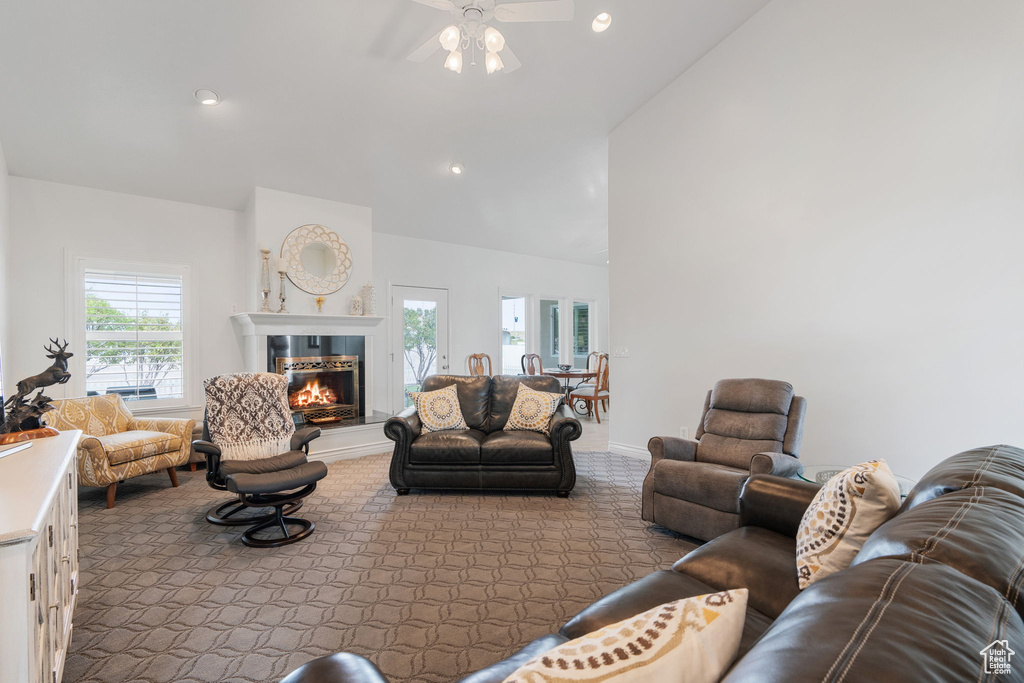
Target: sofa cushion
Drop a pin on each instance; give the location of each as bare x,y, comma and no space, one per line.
732,451
125,447
504,390
474,396
692,639
846,510
498,672
759,560
650,591
884,620
704,483
532,410
960,529
516,448
1000,467
439,410
448,447
748,426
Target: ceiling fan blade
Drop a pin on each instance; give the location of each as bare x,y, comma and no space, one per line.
427,49
509,60
544,10
437,4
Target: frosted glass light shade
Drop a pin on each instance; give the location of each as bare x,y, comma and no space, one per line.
493,62
454,61
450,38
493,39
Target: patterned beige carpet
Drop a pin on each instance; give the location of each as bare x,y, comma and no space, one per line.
430,586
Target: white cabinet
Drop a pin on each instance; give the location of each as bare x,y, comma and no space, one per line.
38,558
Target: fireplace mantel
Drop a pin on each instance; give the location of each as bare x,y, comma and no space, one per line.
257,324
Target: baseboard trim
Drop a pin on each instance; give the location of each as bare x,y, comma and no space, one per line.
631,451
352,452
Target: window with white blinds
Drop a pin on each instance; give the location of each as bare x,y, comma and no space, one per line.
134,335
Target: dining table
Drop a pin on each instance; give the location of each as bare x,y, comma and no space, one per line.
568,375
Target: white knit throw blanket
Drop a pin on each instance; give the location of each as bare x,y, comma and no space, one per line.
248,415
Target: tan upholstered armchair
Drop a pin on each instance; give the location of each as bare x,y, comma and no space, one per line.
749,426
116,446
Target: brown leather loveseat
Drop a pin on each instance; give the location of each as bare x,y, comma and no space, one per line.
928,594
484,456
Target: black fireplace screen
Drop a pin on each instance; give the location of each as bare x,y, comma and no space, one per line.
322,388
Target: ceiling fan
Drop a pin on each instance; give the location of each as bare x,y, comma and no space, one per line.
471,32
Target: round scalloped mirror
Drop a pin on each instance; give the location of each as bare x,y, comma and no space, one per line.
318,259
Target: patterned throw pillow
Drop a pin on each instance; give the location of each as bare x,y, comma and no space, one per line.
687,641
847,509
532,410
439,410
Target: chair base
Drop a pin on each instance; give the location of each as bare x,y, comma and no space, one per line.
279,520
220,514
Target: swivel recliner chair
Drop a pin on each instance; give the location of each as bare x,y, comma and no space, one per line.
253,450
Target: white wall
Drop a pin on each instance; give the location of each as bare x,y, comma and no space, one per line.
49,218
475,279
5,232
834,196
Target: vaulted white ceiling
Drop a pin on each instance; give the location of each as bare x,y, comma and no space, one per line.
318,99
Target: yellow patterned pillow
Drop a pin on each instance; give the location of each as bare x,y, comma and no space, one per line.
439,410
532,410
847,509
693,640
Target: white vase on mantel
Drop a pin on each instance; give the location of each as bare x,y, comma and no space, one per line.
369,296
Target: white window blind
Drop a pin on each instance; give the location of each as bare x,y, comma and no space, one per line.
134,335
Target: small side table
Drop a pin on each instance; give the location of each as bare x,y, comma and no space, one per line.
819,474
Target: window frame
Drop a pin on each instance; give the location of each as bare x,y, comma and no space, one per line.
78,263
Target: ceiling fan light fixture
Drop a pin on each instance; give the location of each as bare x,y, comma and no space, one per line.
454,61
207,97
601,22
450,38
493,39
493,62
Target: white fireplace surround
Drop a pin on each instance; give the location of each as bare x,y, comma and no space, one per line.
335,444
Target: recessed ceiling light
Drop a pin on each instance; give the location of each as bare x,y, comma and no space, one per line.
207,97
457,169
601,22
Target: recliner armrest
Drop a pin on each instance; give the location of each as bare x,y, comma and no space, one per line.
672,448
406,424
302,437
564,425
775,503
206,447
778,464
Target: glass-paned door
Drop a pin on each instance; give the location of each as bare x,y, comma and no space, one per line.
513,334
420,323
580,333
550,332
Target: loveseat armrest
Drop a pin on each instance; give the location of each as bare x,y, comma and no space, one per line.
775,503
302,437
404,426
563,425
778,464
342,667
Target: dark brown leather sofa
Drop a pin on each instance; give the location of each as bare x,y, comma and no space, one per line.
484,456
930,589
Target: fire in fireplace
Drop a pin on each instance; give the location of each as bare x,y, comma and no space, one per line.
322,389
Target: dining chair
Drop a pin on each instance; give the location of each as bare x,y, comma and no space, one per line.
595,395
532,364
477,364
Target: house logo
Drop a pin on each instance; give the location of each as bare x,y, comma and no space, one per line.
997,656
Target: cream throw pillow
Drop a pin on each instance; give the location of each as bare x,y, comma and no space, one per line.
439,410
847,509
687,641
532,410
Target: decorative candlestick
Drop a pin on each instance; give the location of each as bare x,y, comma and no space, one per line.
282,269
265,280
320,303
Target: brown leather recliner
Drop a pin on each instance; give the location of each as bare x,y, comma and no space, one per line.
484,456
749,426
